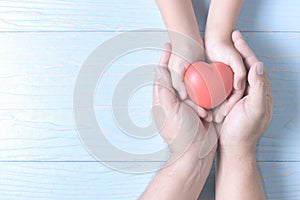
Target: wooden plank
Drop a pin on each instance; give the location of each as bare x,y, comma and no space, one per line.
91,180
281,179
78,15
37,76
74,180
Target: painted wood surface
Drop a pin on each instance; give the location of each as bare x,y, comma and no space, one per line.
37,86
91,180
114,15
43,45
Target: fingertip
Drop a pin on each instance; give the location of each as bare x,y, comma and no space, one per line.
257,91
256,75
219,118
182,94
209,117
239,83
202,113
168,47
260,68
236,35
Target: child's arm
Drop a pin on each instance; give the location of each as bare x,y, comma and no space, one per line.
185,38
221,21
179,16
222,18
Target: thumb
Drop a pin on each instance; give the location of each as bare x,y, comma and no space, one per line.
163,93
177,68
257,97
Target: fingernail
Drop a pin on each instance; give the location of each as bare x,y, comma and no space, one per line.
260,69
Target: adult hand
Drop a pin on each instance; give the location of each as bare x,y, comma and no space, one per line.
237,173
191,140
181,123
250,116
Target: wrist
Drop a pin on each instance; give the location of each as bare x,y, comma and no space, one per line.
213,39
187,46
190,171
232,153
189,162
188,51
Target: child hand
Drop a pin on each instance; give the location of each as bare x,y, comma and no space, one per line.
224,51
250,116
181,123
182,56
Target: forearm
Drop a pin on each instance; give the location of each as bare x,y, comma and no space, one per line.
238,176
222,18
179,17
183,179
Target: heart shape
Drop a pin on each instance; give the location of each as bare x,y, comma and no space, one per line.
208,85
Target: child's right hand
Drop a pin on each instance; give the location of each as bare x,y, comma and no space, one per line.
224,51
250,117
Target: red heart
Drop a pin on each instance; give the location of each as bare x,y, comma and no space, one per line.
208,85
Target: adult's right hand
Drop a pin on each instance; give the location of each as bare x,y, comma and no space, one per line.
250,117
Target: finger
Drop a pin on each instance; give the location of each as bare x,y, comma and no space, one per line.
222,110
163,93
237,65
257,97
242,47
232,100
202,113
239,70
165,57
177,67
219,113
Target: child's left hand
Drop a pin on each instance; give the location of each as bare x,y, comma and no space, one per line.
223,51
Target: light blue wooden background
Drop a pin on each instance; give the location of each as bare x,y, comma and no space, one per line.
42,47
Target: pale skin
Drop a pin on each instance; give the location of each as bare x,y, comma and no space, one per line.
185,173
179,17
237,173
185,39
221,20
238,177
192,153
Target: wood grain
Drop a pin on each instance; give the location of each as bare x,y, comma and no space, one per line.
36,95
43,45
91,180
74,180
67,15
